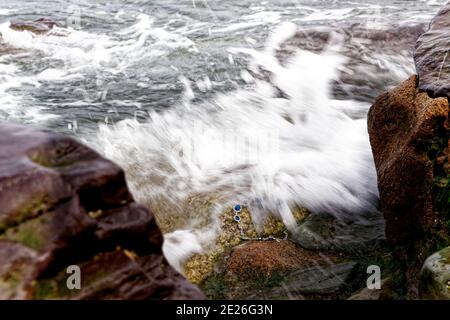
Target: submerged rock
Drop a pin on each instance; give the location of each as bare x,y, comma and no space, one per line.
409,133
265,258
435,276
284,270
432,56
366,74
324,280
364,233
63,205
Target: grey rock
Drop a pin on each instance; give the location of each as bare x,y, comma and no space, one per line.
432,56
326,232
435,276
323,280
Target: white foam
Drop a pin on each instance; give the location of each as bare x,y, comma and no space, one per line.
250,21
178,246
330,14
83,55
5,12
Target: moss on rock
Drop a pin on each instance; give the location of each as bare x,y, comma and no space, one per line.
200,266
32,233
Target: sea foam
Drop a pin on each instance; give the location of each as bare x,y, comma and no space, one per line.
281,144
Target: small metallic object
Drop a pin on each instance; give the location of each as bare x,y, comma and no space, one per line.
237,209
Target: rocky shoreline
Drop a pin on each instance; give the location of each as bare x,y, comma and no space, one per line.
62,204
409,129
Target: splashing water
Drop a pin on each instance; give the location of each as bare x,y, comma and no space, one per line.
283,144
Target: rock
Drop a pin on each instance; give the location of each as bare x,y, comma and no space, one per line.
62,205
324,280
16,270
121,275
265,258
431,56
435,276
5,48
231,234
282,270
355,236
39,26
409,133
385,293
368,75
316,40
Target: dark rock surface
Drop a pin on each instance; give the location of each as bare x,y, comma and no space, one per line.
324,280
63,204
355,236
386,292
409,130
409,133
38,26
435,276
432,56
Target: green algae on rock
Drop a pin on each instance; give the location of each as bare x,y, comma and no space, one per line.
231,234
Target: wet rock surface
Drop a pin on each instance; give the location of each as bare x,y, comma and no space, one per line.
39,26
435,276
386,292
409,134
285,270
432,56
365,76
352,235
62,205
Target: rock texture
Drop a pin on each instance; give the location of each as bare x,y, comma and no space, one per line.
409,130
435,276
432,56
265,258
409,134
63,204
284,270
38,26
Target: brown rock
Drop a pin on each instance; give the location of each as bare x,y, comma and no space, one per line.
38,26
265,258
409,134
282,270
385,293
432,56
63,204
